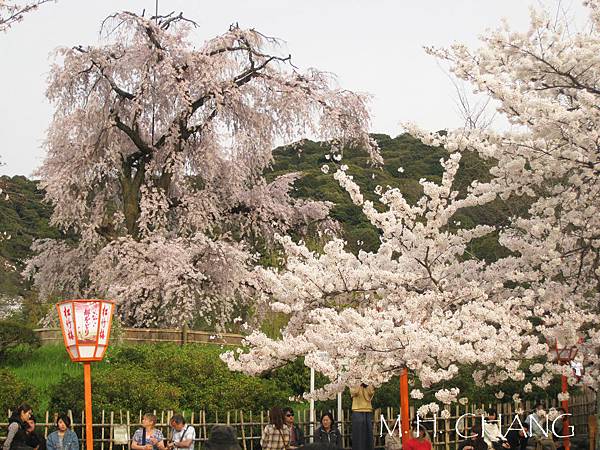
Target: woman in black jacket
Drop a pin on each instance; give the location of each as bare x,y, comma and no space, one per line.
328,433
16,438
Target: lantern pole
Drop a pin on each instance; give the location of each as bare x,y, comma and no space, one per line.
404,418
563,358
312,404
565,406
87,383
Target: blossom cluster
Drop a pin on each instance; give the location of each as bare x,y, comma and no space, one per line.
422,301
447,396
412,303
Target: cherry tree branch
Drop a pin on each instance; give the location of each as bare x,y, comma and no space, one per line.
12,13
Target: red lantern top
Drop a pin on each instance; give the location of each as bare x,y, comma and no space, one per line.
566,353
85,325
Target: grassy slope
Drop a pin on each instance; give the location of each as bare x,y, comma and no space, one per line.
44,367
190,370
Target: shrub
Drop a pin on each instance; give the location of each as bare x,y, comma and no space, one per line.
13,334
119,388
14,391
165,377
17,355
203,379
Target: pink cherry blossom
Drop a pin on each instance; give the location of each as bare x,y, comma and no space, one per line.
155,162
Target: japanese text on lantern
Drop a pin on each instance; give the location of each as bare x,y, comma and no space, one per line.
66,313
104,323
86,318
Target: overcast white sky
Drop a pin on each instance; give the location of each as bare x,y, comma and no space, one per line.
373,46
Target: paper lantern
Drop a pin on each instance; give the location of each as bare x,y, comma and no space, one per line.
85,326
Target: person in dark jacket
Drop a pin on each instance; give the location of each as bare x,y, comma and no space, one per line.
328,432
222,437
517,438
16,437
475,441
34,440
296,433
557,430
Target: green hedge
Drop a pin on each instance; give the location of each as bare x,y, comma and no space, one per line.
161,377
13,334
190,377
14,391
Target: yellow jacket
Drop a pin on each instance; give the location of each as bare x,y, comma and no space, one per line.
361,398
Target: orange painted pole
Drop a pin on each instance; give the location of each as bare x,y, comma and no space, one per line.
87,384
404,419
565,405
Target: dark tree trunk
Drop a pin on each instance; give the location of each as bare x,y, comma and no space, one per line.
130,186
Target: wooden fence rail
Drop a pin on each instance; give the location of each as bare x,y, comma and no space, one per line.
153,335
249,425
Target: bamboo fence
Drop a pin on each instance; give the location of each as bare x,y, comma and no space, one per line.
249,425
153,335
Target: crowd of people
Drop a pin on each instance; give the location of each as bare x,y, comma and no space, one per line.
280,434
534,435
283,433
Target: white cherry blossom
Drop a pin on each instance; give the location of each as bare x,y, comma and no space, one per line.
421,301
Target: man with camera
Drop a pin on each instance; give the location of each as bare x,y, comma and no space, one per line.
182,436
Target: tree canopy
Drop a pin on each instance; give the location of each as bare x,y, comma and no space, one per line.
422,300
155,160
